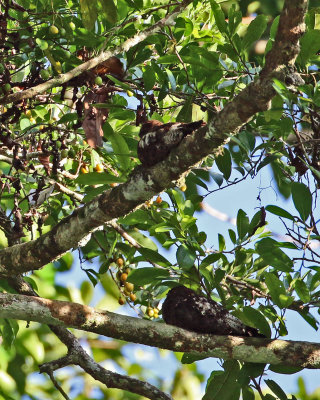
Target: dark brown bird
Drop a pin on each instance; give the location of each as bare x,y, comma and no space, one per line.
186,309
158,139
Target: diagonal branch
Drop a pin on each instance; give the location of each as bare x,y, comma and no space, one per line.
124,47
144,183
78,356
64,314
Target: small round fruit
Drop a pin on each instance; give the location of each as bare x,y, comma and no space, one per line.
114,184
58,144
28,113
53,30
25,14
121,301
150,312
64,153
159,200
183,188
98,81
71,153
72,25
85,170
45,75
32,120
7,88
156,313
129,93
123,277
99,168
62,31
129,286
133,297
120,262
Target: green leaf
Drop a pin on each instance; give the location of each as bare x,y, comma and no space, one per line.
219,17
242,224
88,13
144,276
284,369
255,30
149,78
212,258
143,240
276,389
268,249
257,320
232,236
109,10
185,257
277,291
154,256
267,160
171,79
97,178
309,45
247,393
119,145
224,385
185,114
302,290
224,163
189,358
279,211
302,199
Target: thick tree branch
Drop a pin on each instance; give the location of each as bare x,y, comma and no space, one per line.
124,47
78,356
146,182
65,314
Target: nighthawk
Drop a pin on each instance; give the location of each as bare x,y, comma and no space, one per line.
158,139
186,309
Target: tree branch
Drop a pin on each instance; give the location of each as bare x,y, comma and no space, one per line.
144,183
64,314
77,355
124,47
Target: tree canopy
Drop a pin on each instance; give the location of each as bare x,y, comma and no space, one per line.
78,79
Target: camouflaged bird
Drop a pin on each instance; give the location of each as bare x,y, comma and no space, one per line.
158,139
186,309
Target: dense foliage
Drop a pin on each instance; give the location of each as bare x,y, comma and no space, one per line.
68,142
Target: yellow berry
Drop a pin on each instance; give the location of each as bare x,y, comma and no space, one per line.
133,297
129,286
120,262
123,277
183,188
99,168
53,30
150,312
121,301
159,200
85,170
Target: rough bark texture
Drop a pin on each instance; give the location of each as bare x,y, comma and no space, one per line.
73,315
144,183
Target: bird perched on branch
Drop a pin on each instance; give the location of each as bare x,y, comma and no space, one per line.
158,139
186,309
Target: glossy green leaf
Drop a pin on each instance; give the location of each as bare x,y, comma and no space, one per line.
257,320
242,224
302,290
149,78
254,31
219,17
185,257
224,163
277,291
268,249
145,276
279,211
302,199
224,385
309,45
97,178
276,389
154,256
